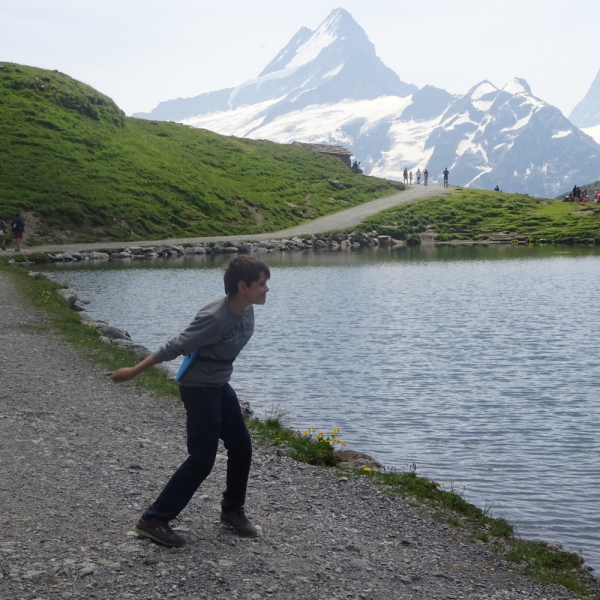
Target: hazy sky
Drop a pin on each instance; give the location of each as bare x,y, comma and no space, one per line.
140,52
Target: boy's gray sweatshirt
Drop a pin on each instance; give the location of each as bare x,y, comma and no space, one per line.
220,335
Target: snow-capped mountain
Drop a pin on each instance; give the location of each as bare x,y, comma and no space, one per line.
586,114
336,62
329,86
510,138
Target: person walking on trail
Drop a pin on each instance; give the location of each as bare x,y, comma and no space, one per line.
597,196
2,233
405,175
446,173
425,176
410,177
418,175
211,342
18,229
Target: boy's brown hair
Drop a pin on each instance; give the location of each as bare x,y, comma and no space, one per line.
243,268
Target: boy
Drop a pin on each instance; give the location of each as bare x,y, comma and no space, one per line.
212,342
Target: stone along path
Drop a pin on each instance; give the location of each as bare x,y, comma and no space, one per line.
341,220
81,457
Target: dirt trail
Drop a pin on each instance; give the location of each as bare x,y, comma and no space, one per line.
341,220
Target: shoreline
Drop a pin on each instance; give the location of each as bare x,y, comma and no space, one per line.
336,242
413,581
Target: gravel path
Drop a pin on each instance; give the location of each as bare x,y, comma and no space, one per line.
80,457
341,220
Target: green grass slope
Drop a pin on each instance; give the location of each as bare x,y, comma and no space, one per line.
483,215
82,171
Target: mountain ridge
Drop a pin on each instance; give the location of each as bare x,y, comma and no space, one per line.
328,86
587,112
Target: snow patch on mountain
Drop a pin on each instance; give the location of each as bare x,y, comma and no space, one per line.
593,132
483,89
519,124
561,134
325,35
333,72
236,122
517,86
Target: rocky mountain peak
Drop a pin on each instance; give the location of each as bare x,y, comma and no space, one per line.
517,86
587,112
481,89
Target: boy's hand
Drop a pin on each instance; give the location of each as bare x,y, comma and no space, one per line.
124,374
127,373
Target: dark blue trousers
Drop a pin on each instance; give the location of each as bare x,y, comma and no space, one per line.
213,413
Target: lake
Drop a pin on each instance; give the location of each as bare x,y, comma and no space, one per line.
478,364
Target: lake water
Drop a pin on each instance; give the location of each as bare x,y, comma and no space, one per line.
479,364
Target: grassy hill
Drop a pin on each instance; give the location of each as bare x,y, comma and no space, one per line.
483,215
80,170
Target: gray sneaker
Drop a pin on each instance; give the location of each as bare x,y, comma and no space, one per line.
237,519
159,531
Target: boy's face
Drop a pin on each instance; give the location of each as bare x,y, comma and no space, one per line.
257,291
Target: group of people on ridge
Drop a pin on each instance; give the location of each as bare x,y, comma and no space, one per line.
582,196
408,176
17,226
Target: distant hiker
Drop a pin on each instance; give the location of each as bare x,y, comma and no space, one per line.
418,175
211,343
496,189
2,233
597,196
425,176
18,228
574,192
405,175
446,173
356,168
410,177
578,193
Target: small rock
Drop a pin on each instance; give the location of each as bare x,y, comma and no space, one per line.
69,295
114,333
338,185
120,342
150,561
